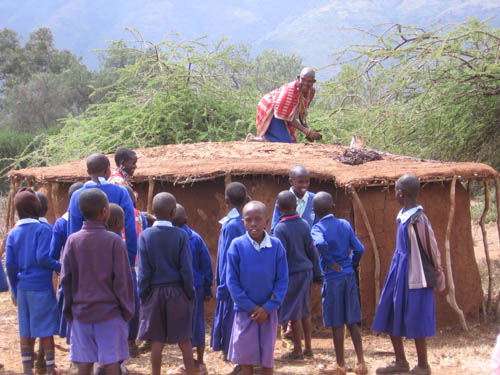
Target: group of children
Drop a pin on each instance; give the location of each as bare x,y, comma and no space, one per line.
262,280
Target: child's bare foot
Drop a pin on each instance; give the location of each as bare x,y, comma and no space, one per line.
333,371
360,369
394,368
308,353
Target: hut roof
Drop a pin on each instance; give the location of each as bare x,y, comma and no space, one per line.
188,163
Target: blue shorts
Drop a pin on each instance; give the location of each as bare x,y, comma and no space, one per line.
104,342
37,313
340,301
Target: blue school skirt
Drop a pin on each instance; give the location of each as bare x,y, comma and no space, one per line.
295,305
403,311
198,339
222,325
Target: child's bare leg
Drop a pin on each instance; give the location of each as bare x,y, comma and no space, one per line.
357,341
47,348
246,370
26,355
399,350
187,356
200,351
297,336
421,346
85,368
307,327
156,350
267,370
113,369
338,344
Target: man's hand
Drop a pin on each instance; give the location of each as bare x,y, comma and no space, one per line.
313,135
14,300
259,314
335,266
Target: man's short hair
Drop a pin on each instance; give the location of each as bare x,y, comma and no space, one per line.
124,154
236,192
91,202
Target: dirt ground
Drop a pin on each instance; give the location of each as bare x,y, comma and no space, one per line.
452,351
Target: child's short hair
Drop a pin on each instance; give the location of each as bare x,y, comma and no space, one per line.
180,217
410,184
27,204
74,187
97,163
163,205
44,203
323,203
91,202
123,154
236,192
287,201
298,170
116,218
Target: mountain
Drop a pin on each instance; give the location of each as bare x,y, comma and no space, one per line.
314,29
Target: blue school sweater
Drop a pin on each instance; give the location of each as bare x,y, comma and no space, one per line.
232,228
165,259
257,278
116,194
29,265
308,214
295,235
202,263
59,236
334,238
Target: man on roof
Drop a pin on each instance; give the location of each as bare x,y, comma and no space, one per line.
284,110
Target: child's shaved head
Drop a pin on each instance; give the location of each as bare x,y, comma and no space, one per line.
287,201
298,170
409,184
323,204
91,203
236,193
255,205
116,219
74,187
44,203
180,217
97,163
164,206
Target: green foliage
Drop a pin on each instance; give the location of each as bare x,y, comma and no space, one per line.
12,144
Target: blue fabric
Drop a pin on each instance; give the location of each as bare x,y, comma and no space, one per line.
231,229
334,238
256,278
37,313
401,311
296,303
116,194
133,324
295,235
308,214
222,325
198,338
202,263
165,259
59,236
278,132
340,301
29,265
3,279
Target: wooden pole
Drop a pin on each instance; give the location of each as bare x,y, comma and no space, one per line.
151,189
497,191
450,297
485,239
376,255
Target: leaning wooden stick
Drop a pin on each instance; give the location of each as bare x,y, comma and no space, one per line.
151,188
485,240
450,297
497,191
373,242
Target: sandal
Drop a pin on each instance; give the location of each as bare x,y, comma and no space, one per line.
360,369
333,371
394,368
417,370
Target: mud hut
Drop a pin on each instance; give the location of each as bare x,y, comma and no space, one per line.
197,173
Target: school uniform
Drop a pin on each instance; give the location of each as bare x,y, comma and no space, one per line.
98,294
334,238
165,284
304,209
303,266
232,227
257,275
45,222
406,308
202,278
29,269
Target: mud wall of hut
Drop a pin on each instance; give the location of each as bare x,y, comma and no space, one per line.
204,203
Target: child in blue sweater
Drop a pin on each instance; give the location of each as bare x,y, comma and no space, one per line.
44,207
299,183
257,278
203,279
334,238
232,227
30,269
303,267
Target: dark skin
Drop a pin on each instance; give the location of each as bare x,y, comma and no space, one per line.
164,208
299,180
130,165
323,206
255,221
98,166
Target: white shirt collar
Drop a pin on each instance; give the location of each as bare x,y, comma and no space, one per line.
403,215
102,181
162,223
266,242
43,220
304,197
232,214
26,221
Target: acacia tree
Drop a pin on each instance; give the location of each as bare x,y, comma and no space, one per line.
432,93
